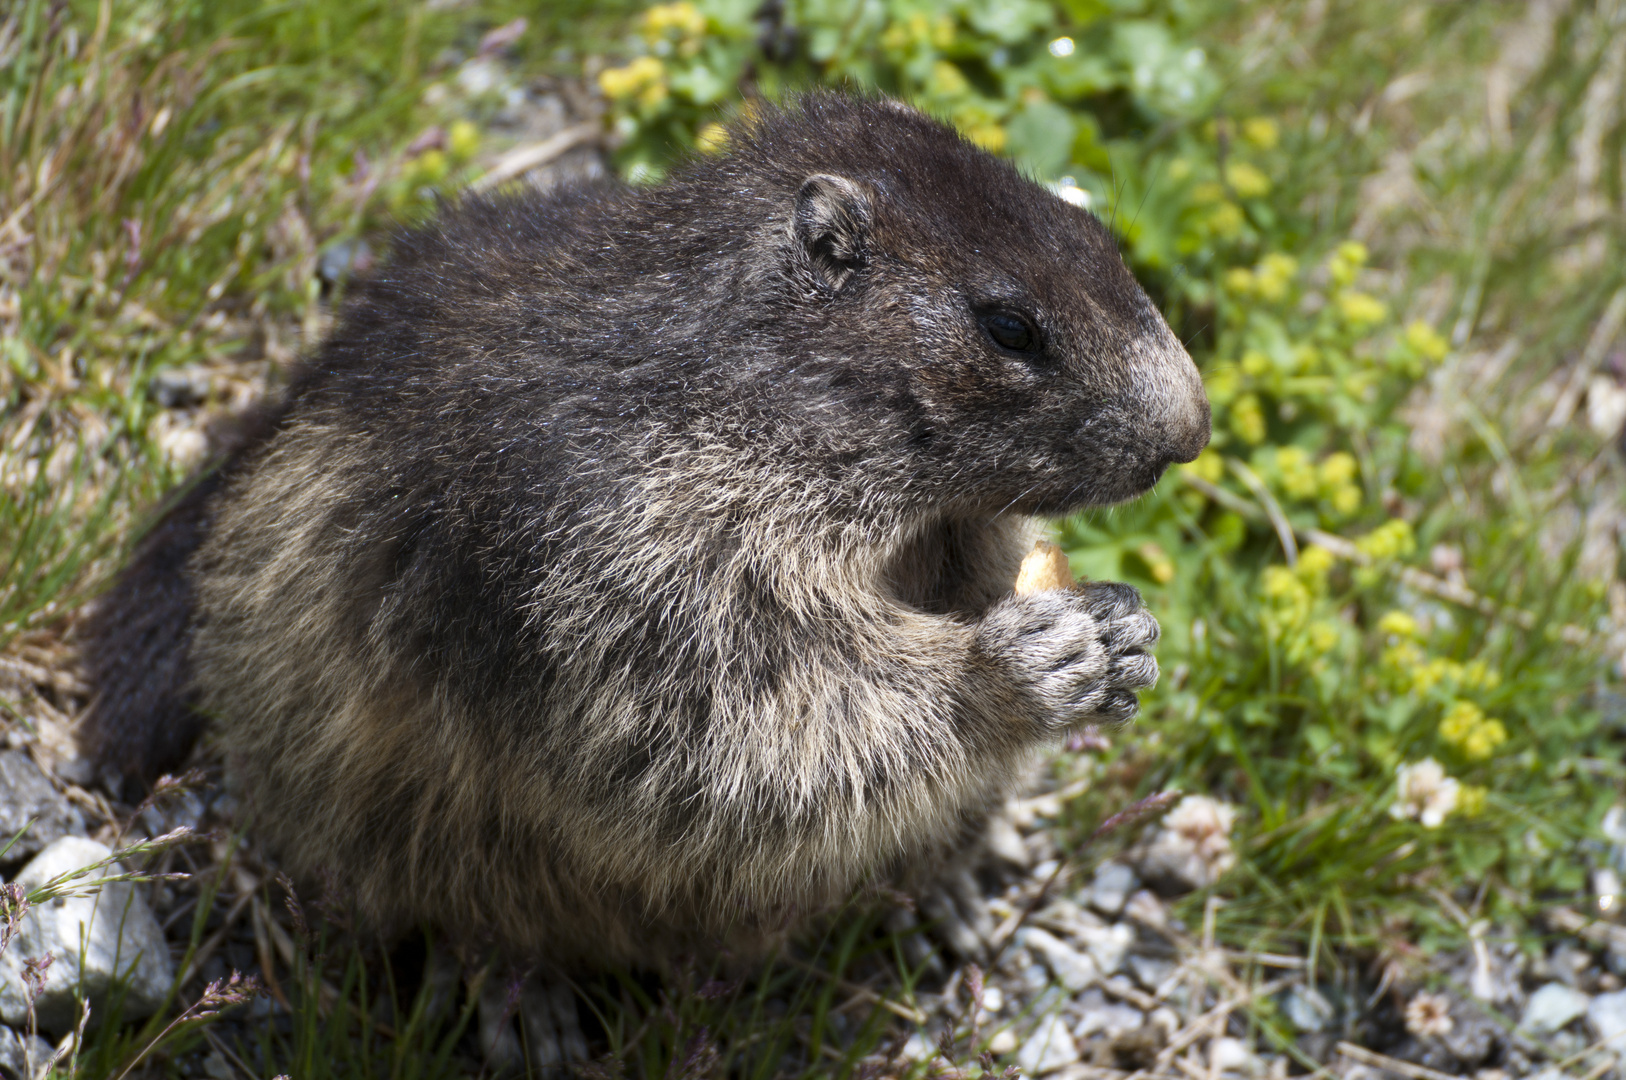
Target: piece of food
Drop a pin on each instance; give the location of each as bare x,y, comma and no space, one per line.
1044,568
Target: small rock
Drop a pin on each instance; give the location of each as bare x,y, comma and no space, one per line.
1110,1020
938,906
25,794
1473,1035
1108,946
919,1048
1306,1009
216,1067
1227,1053
1049,1048
95,940
178,388
1606,1018
77,770
1166,1020
18,1052
993,999
1569,963
1113,885
1072,969
1003,1042
1033,979
184,809
1552,1008
1005,842
338,261
1145,908
1150,972
1067,917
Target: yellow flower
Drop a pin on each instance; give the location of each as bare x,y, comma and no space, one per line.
681,16
1471,800
1315,562
1321,636
1246,180
1239,280
1426,342
1482,742
946,80
1361,310
1280,585
1207,192
1403,660
1255,363
1221,383
1225,220
1393,539
1427,676
1298,475
653,95
1248,419
1478,675
1466,727
1208,466
1399,624
1357,383
1157,562
1460,720
1275,272
429,167
1346,262
943,31
1279,265
632,80
991,137
1261,131
712,138
463,139
1345,499
1339,467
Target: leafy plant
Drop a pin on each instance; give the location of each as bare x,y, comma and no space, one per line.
1311,568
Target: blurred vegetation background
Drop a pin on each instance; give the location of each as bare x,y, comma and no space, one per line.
1390,232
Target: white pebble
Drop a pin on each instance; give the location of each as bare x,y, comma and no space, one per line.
1049,1048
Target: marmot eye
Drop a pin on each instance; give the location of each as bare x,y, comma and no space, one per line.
1009,331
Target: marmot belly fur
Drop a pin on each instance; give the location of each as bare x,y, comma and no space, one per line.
630,572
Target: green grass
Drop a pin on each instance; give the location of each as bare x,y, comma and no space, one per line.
169,172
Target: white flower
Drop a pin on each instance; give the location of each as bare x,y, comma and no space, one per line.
1423,793
1205,824
1193,846
1429,1014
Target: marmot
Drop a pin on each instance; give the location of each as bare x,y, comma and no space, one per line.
630,572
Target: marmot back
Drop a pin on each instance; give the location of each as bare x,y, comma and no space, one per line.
630,572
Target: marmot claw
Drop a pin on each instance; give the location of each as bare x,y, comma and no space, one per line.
1080,654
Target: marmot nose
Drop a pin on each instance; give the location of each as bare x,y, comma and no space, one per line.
1186,418
1190,438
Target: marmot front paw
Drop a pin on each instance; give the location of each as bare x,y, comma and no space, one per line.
1082,653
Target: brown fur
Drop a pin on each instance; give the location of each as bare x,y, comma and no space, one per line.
630,575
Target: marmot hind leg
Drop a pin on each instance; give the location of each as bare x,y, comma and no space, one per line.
531,1026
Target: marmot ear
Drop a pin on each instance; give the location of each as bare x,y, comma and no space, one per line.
832,226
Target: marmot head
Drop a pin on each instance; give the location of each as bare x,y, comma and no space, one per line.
991,323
